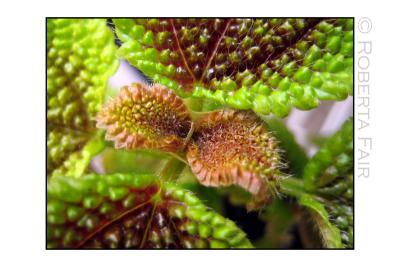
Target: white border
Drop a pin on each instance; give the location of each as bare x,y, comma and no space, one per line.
22,109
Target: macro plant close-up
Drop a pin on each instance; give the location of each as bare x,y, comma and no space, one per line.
198,152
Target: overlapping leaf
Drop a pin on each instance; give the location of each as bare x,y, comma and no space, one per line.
267,65
80,58
329,233
334,159
329,177
132,211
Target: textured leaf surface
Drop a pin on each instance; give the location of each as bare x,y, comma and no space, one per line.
329,175
234,147
81,55
132,211
267,65
338,199
334,159
144,116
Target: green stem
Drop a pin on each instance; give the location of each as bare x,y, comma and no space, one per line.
196,115
172,169
194,104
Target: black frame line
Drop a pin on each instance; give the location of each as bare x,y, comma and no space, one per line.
116,38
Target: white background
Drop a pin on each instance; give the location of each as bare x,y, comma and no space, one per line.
22,137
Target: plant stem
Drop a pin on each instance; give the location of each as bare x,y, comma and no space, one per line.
194,104
172,169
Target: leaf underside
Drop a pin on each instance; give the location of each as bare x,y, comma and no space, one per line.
267,65
132,211
81,55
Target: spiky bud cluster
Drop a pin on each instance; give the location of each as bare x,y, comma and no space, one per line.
144,116
223,147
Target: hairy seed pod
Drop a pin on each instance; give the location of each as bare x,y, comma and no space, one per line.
234,147
142,116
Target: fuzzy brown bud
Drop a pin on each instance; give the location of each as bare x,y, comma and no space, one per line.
234,147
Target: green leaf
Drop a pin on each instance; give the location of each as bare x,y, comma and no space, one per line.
329,177
330,234
334,159
81,55
268,65
208,195
338,199
132,211
136,161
